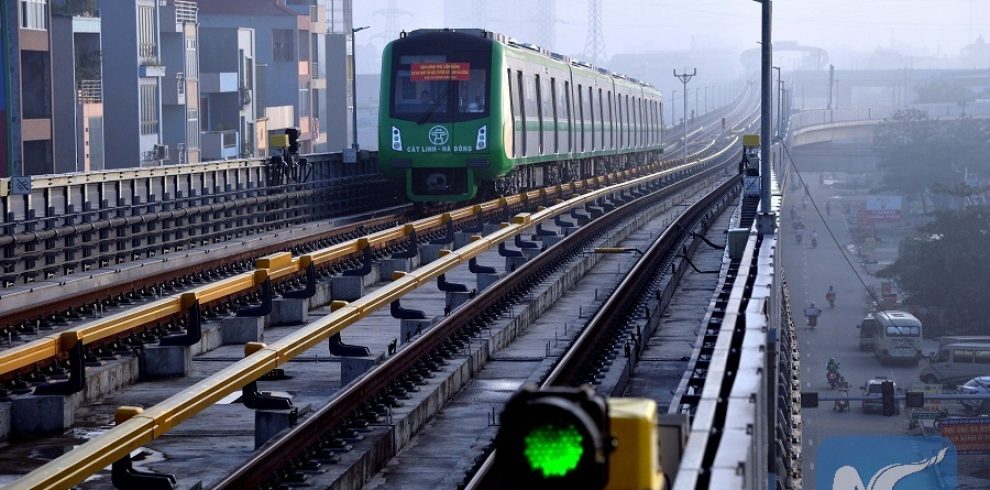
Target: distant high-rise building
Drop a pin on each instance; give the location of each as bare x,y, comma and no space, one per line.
77,46
302,74
151,76
26,88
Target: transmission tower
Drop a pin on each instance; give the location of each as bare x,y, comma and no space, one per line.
546,23
594,44
393,16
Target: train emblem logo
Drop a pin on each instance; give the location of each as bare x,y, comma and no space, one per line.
886,463
439,135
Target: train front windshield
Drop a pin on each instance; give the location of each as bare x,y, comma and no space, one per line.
441,88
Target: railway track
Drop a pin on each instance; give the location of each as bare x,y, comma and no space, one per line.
501,209
279,463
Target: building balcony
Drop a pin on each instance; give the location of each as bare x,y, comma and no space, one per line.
218,83
220,145
89,91
174,13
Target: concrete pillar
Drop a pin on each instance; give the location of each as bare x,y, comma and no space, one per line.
389,266
4,420
461,238
289,311
549,241
513,263
428,253
347,288
268,423
455,299
486,280
32,415
163,361
409,328
242,329
352,368
322,296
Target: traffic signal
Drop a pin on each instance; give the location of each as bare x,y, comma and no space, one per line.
887,398
555,438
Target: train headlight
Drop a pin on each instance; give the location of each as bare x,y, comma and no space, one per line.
482,141
396,139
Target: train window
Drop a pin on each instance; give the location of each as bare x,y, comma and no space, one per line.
512,112
556,125
581,113
570,119
591,116
440,87
601,119
611,122
522,110
621,122
539,110
629,123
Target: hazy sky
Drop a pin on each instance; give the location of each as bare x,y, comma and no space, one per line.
931,27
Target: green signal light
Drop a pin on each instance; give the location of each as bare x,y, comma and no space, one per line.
553,450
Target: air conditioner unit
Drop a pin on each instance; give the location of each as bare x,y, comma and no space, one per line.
160,152
245,94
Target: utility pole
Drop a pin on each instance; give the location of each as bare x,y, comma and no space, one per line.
685,78
354,98
776,131
766,223
831,81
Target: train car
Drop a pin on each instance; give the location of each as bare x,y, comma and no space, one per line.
468,111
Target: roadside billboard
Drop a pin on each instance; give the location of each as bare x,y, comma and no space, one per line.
971,435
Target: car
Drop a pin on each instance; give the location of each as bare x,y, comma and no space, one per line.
872,389
976,386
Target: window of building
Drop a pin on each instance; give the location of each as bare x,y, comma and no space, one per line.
282,48
147,33
149,108
34,14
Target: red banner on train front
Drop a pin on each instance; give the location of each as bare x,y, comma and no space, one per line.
441,72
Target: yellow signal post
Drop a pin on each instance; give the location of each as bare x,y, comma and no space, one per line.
635,462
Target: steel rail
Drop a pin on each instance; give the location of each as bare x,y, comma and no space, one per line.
277,454
103,450
627,292
56,345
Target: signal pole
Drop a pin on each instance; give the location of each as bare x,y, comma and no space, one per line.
766,220
685,78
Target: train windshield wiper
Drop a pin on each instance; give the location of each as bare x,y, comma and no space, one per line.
434,106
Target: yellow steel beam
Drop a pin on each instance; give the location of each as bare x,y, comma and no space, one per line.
103,450
27,354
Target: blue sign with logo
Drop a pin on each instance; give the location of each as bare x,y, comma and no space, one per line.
885,463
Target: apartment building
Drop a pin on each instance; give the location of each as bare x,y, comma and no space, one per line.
26,91
78,90
301,77
151,71
231,125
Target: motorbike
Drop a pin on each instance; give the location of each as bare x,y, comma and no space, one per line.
831,299
814,243
842,404
833,378
798,237
812,321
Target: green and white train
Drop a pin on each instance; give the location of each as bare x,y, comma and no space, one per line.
468,111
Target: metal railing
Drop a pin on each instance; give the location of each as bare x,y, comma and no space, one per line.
90,91
186,12
154,422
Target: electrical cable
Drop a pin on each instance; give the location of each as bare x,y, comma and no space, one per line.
845,256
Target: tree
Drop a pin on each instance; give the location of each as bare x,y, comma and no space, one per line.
944,90
947,266
919,155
